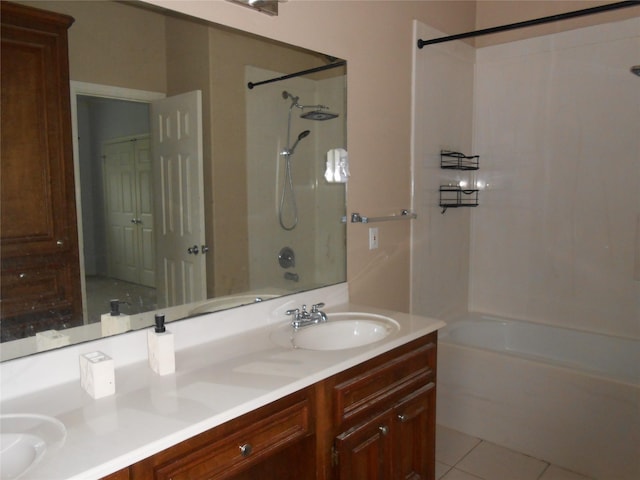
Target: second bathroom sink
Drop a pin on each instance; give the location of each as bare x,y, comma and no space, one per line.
25,439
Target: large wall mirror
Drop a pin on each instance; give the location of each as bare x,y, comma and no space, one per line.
249,215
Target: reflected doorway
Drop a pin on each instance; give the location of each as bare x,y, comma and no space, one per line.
113,176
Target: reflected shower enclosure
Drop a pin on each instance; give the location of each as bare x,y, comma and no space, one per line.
288,194
290,151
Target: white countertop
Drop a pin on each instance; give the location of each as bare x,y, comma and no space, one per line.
215,381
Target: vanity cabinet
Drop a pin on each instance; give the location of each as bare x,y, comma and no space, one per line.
40,274
373,421
384,415
274,442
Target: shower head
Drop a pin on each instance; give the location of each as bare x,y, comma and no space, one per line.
315,114
319,115
635,70
294,100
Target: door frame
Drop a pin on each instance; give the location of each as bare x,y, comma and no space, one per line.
104,91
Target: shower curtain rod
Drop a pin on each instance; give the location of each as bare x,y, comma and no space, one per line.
250,85
529,23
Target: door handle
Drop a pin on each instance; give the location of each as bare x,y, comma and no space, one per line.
193,250
136,221
204,249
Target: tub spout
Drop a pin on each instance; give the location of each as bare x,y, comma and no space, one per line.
291,276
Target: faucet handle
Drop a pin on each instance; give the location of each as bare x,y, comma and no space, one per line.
295,312
316,307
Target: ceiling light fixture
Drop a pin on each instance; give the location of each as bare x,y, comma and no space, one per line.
270,7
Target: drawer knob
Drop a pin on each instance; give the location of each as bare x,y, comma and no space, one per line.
384,430
403,418
246,449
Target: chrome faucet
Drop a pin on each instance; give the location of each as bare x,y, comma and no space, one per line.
303,318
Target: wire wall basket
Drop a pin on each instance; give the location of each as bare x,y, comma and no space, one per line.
458,161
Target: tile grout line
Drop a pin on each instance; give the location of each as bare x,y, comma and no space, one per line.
544,470
465,456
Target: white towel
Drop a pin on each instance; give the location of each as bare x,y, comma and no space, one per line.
330,167
337,167
342,166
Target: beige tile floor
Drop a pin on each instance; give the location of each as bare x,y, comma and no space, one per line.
463,457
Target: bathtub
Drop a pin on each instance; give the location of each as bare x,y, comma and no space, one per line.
569,397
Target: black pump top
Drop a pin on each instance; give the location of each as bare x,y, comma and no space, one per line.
160,323
114,306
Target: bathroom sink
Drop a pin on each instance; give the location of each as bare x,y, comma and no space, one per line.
339,332
25,440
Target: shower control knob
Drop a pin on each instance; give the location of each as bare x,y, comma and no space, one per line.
286,257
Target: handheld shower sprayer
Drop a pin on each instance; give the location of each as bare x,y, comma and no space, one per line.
302,135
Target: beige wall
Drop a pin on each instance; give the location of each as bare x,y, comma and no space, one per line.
96,53
376,40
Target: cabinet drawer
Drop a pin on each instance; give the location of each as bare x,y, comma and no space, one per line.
241,448
363,390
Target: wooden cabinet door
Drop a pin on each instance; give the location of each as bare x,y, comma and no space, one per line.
413,433
38,231
363,452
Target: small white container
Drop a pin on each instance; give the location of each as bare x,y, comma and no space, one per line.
97,374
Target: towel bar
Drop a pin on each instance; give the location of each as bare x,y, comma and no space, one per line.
404,215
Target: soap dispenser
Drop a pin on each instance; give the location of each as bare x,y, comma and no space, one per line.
161,349
114,322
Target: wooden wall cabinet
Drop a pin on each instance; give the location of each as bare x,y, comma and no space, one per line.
373,421
40,275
